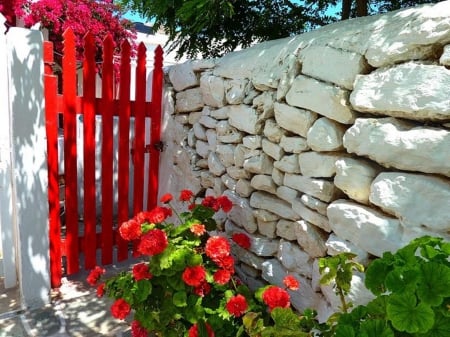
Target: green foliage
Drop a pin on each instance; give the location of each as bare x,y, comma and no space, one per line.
213,27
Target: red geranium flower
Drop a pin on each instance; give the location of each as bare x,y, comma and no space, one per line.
141,272
222,276
120,309
130,230
194,276
217,247
203,289
211,202
198,229
237,305
193,331
186,195
242,240
153,242
276,297
101,290
158,214
142,217
225,203
166,198
226,262
291,282
137,330
95,275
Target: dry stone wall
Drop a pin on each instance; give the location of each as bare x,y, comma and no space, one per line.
334,140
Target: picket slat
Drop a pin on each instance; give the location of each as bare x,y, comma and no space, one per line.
51,128
155,128
124,146
107,151
89,72
70,150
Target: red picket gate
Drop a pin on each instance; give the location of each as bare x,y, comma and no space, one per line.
86,239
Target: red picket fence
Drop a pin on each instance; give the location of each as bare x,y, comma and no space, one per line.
74,241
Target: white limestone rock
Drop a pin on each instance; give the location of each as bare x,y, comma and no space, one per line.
237,173
294,259
336,245
288,164
195,115
215,165
213,90
286,229
267,228
326,135
319,188
208,122
318,165
231,136
225,152
311,238
203,64
366,228
294,119
261,164
264,215
416,199
241,213
253,142
286,193
220,114
323,98
333,65
199,131
273,131
244,118
354,177
244,188
262,182
264,104
229,182
410,90
273,150
277,176
311,216
182,76
400,144
288,76
445,57
207,179
294,144
315,204
248,257
189,100
235,91
202,148
272,204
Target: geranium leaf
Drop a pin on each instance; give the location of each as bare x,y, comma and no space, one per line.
344,331
406,315
375,328
143,289
402,280
180,299
285,318
434,283
441,328
375,276
377,307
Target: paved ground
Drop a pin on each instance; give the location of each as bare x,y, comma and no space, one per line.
75,311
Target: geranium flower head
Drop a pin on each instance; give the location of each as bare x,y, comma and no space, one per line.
153,242
291,282
193,331
130,230
224,203
166,198
100,290
222,276
217,247
141,272
159,214
275,297
237,305
211,202
120,309
194,276
198,229
226,262
203,289
186,195
95,275
242,240
137,330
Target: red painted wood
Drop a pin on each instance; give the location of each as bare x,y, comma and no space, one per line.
107,151
51,126
155,128
70,150
139,132
124,146
89,151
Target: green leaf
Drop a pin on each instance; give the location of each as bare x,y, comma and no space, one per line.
285,318
377,307
376,328
180,299
344,331
376,275
402,279
441,327
406,315
434,283
142,289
